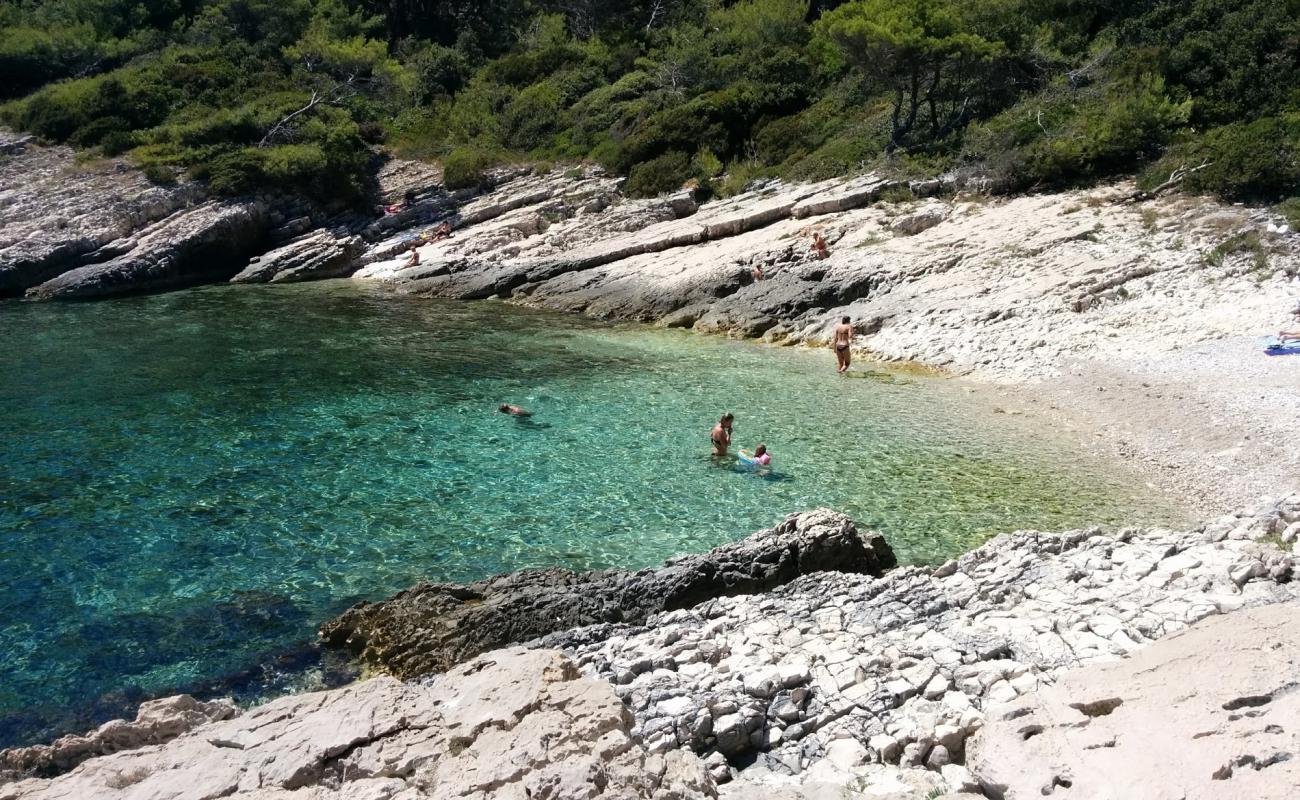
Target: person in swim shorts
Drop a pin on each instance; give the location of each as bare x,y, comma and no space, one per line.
721,435
843,337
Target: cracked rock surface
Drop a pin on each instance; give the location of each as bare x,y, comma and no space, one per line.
824,679
915,684
516,724
1208,713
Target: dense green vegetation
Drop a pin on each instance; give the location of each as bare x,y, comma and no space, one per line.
1030,93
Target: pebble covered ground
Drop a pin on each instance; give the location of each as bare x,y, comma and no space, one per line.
824,679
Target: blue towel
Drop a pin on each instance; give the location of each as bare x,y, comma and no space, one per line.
1273,347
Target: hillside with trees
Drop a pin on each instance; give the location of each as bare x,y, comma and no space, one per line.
1028,94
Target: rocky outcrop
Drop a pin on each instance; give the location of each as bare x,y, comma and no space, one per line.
1010,287
59,213
432,627
156,722
834,682
202,244
322,254
1207,713
515,724
823,679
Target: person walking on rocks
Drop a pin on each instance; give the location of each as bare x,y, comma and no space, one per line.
843,338
721,434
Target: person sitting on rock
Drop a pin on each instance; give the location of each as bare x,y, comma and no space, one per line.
514,411
819,248
443,231
414,258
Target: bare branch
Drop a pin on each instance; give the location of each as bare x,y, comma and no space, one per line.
336,94
655,11
1176,177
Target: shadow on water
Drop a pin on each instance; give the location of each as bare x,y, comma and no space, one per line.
879,377
527,423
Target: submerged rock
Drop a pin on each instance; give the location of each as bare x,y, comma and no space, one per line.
432,627
519,723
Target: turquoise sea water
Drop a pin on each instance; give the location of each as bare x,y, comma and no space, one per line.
190,483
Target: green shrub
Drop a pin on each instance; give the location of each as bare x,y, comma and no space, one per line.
705,165
464,168
659,175
531,117
157,173
233,173
1243,161
738,177
1290,210
782,138
1245,242
93,132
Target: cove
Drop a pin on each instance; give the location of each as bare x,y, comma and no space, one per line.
190,483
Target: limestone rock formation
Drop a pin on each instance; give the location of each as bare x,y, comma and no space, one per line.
59,214
833,683
202,244
825,678
321,254
432,627
1209,713
156,722
512,725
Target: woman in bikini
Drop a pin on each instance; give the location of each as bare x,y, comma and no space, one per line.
843,336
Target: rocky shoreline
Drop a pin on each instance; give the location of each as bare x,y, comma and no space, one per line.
1134,321
902,684
1128,324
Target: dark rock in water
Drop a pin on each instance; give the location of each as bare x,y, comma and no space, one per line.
194,246
432,627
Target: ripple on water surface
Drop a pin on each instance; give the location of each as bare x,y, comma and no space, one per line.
193,481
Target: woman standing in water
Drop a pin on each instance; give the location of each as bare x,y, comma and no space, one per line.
721,434
843,337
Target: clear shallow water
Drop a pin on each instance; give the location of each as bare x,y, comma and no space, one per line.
190,483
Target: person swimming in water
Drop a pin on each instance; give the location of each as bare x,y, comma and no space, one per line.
721,434
843,338
514,411
761,456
